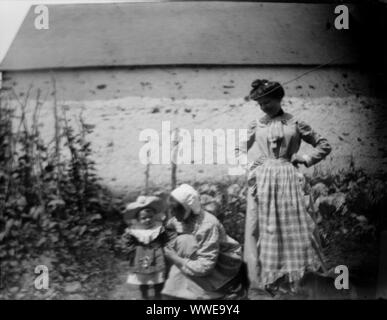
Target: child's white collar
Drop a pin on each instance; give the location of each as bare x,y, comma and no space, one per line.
146,236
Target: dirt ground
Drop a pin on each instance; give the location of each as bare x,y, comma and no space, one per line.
361,263
111,284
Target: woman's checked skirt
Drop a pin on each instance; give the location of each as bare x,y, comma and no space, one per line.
279,230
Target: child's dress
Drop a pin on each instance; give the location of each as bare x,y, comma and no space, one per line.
144,250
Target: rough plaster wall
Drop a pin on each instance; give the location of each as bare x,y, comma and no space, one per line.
122,102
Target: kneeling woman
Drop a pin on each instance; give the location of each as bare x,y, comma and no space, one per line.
206,262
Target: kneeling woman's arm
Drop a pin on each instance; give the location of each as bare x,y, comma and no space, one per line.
204,259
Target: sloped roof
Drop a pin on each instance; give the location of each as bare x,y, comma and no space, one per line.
12,15
182,33
13,12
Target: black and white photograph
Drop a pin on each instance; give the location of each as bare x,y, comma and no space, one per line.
201,150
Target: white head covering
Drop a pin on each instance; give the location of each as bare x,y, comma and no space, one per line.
188,197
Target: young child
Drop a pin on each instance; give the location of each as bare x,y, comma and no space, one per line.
143,243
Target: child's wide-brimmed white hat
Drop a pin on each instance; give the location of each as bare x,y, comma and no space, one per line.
143,202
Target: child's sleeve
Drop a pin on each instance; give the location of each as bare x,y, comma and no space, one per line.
127,243
169,235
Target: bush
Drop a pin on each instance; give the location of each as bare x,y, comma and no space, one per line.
48,203
357,200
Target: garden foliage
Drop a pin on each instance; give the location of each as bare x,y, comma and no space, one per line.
52,203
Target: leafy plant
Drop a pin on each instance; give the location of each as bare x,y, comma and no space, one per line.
48,203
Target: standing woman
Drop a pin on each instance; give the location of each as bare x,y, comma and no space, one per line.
279,243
